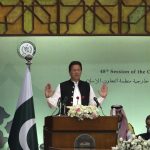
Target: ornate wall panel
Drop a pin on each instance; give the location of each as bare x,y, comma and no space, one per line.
74,17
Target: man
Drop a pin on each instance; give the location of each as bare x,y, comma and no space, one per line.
146,136
123,126
74,91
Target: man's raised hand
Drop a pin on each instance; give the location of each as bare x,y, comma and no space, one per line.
103,91
48,90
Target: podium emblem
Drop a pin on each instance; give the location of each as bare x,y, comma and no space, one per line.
84,141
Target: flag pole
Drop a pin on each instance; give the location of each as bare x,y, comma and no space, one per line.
23,133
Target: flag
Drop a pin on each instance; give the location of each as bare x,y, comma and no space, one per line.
23,135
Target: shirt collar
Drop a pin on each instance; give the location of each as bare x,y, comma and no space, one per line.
75,82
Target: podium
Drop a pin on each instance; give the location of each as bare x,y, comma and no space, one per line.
62,132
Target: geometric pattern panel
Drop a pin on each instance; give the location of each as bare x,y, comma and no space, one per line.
74,17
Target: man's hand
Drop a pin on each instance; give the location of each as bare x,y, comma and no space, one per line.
103,91
48,90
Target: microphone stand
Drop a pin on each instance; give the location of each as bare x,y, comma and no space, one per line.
59,106
102,110
64,105
99,105
64,109
60,109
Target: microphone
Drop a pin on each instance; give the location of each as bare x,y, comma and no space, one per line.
59,102
59,107
65,100
99,105
64,104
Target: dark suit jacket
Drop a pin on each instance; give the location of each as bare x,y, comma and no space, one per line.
145,136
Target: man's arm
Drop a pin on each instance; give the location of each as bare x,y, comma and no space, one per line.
53,99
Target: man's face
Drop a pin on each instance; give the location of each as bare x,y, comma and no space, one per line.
148,125
75,72
119,114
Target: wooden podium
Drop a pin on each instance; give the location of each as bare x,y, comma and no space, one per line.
60,132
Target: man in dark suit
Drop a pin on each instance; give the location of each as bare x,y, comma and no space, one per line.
74,91
146,135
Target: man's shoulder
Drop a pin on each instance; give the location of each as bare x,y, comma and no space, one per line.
144,136
84,82
65,82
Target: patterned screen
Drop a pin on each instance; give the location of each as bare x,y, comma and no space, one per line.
74,17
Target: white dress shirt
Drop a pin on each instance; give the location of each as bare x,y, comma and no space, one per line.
52,101
76,95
